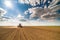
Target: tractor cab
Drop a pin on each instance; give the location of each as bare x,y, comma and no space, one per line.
19,26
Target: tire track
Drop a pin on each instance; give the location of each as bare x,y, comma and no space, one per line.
28,33
10,37
17,35
4,37
22,36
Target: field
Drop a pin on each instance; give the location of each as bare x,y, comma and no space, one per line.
30,33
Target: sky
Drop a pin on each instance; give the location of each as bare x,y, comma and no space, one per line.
30,13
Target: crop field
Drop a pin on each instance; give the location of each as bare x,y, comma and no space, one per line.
30,33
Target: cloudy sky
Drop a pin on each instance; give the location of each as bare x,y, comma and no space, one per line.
30,12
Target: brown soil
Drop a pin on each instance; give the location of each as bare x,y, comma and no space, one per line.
30,33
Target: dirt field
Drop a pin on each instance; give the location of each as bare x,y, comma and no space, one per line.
30,33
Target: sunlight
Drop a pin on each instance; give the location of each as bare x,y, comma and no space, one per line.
8,4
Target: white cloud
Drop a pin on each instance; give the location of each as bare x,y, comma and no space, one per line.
40,23
15,22
55,8
44,14
53,3
37,2
50,16
37,12
31,2
9,22
20,16
2,12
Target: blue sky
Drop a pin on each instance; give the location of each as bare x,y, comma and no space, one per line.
16,7
10,11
